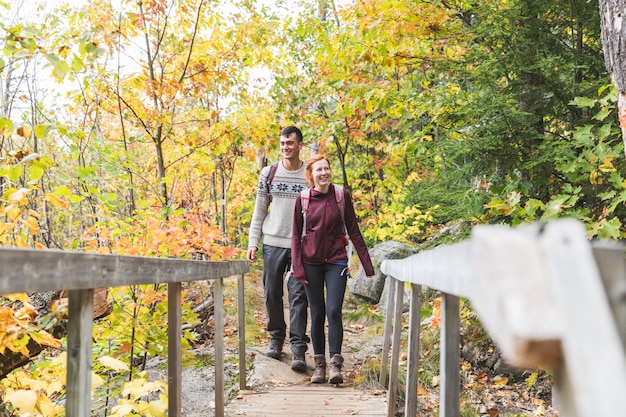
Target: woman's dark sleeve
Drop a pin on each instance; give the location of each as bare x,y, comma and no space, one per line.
352,226
296,242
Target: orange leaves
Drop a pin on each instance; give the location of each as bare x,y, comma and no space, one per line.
622,118
12,212
180,236
16,214
435,316
24,131
17,327
57,202
19,196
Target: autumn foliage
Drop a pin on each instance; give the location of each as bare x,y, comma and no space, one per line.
139,128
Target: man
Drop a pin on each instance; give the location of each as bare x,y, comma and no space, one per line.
272,218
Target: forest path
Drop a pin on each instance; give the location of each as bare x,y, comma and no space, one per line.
276,390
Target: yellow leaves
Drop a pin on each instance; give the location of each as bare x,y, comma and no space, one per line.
33,225
20,242
12,212
44,338
19,195
413,177
157,408
57,202
16,213
26,313
24,131
595,178
605,166
23,400
30,393
115,364
16,327
5,228
500,381
20,296
139,388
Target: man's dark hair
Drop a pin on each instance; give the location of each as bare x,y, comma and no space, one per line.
289,130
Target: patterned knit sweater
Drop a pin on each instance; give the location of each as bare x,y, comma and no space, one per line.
273,221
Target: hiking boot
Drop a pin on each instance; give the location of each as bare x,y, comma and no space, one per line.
298,362
319,374
336,362
274,351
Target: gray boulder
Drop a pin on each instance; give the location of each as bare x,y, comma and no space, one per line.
371,289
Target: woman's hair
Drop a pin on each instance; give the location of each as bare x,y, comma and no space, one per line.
308,172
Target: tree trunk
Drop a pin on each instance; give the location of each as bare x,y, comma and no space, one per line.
613,24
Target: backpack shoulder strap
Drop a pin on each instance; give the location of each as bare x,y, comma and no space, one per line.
305,197
270,178
341,202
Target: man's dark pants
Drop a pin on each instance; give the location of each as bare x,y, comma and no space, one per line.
276,263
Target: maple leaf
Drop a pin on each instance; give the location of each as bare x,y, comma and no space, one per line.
57,202
115,364
23,400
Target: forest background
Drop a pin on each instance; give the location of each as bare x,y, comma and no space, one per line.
139,127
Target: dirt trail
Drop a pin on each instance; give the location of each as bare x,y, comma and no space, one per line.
357,347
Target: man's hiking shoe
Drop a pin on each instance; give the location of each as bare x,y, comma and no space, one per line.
274,351
298,363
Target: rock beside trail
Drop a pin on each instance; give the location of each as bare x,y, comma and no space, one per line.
371,289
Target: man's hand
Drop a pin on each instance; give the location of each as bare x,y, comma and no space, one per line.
252,254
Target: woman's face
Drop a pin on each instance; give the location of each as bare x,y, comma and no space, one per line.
321,174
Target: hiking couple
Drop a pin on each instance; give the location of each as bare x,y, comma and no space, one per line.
299,199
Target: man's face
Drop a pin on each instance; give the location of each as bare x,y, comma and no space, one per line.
290,147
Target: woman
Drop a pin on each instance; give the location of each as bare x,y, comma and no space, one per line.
322,216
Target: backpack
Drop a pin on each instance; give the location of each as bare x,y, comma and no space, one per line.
305,197
270,178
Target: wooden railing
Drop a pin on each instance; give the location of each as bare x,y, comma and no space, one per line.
547,297
27,270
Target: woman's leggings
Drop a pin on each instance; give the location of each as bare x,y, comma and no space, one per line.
334,277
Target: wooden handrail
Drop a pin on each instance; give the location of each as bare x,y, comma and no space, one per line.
526,285
30,270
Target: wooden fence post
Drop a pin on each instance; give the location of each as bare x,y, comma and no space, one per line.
174,348
395,350
79,335
242,331
218,311
450,383
410,408
386,336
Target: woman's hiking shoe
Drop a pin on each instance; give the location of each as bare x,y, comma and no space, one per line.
319,374
336,363
298,362
274,351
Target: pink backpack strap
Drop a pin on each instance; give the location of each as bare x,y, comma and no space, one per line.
305,197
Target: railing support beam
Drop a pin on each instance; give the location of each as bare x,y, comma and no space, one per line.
174,348
219,347
450,383
395,349
384,360
410,408
241,314
79,335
